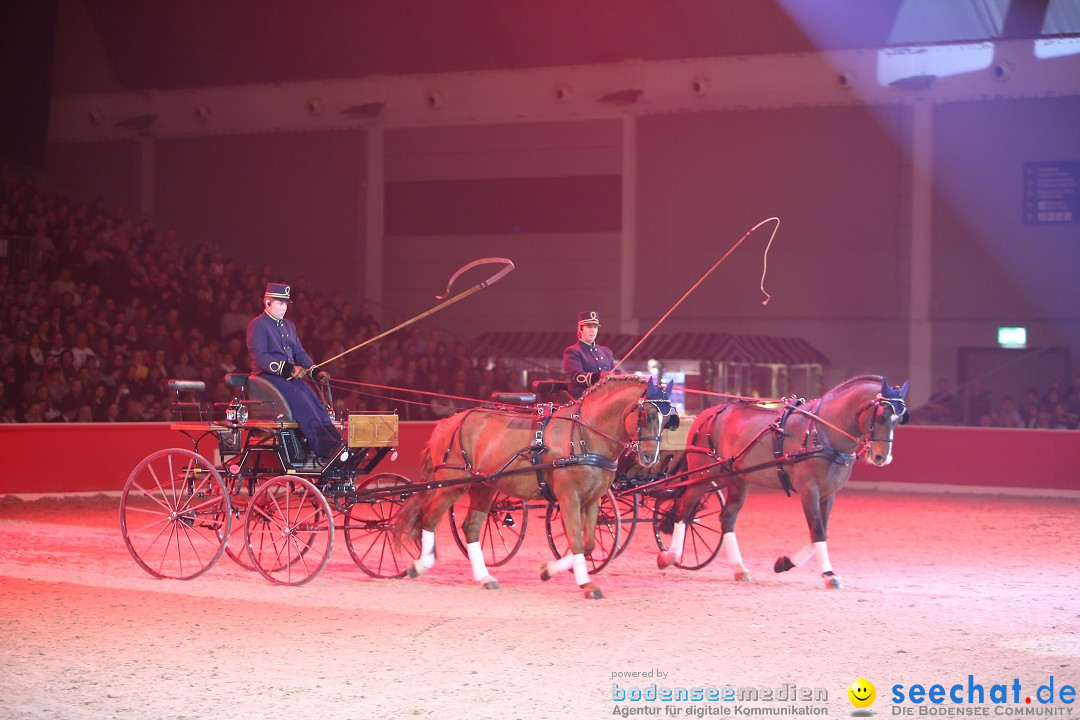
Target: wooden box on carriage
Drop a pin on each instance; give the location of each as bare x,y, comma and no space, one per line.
676,439
373,431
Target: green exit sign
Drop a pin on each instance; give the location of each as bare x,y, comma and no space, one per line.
1012,337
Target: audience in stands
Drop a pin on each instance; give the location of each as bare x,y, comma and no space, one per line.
90,330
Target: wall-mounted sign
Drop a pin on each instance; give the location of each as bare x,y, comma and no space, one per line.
1012,337
1052,192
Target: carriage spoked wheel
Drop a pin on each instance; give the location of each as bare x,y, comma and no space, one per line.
174,514
239,497
503,531
629,505
607,535
369,527
703,530
289,530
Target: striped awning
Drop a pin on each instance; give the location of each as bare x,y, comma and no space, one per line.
719,347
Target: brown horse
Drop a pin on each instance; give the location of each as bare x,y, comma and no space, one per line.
808,448
567,453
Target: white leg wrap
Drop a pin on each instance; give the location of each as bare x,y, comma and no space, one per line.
564,563
822,553
476,559
804,554
427,548
581,575
730,547
678,535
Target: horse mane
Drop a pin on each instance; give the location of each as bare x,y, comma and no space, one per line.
854,381
611,377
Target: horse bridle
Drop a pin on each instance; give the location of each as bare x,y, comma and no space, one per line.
879,403
634,446
640,409
861,442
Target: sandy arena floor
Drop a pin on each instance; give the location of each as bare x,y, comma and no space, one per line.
938,588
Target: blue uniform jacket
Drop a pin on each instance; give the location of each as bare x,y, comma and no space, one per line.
272,344
583,364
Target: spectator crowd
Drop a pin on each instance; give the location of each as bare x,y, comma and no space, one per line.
1057,407
104,309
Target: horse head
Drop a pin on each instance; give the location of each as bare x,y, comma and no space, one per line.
656,413
887,410
644,415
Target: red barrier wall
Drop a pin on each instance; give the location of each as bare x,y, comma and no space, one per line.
82,457
981,457
60,457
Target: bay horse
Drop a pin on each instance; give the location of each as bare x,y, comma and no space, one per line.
803,447
567,453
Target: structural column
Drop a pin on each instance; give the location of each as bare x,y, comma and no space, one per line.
371,233
628,321
920,328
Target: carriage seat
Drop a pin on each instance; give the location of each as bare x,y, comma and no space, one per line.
514,398
266,401
191,409
551,386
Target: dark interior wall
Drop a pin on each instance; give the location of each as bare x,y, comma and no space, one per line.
108,169
565,245
837,179
294,201
989,265
834,176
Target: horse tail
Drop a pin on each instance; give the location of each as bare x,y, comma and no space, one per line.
407,524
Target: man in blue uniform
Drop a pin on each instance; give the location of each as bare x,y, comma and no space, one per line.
585,360
278,356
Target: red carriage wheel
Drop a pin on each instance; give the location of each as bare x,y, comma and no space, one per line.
504,528
289,530
703,532
174,514
369,527
608,533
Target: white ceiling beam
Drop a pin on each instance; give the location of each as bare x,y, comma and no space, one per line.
566,93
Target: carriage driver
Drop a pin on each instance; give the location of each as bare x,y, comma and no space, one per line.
278,356
585,360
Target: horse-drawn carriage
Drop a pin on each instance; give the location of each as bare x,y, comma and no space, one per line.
601,465
249,489
258,496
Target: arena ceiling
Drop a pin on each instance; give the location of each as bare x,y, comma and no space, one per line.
171,45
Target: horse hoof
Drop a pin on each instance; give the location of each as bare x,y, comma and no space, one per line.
783,564
416,569
743,576
546,573
832,582
592,592
665,559
490,583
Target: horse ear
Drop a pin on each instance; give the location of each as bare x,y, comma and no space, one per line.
904,388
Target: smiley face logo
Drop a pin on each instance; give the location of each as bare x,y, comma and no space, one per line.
862,693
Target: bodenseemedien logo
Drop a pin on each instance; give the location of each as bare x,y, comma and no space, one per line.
862,694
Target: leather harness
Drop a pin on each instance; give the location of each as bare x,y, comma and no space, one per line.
820,447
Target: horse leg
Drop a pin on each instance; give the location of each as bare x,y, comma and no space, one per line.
817,512
729,544
439,502
680,510
480,498
572,517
